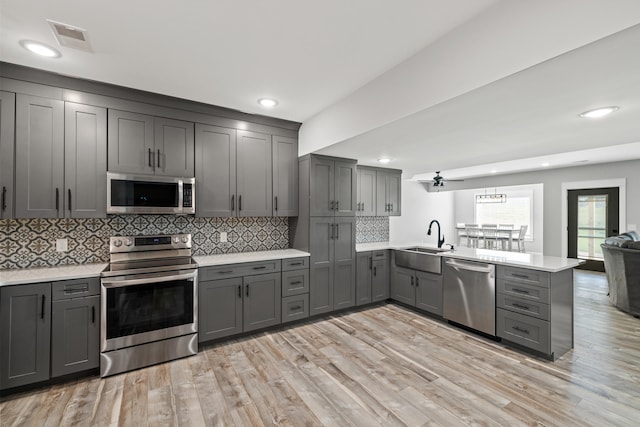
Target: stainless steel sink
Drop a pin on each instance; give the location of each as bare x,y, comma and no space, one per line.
424,259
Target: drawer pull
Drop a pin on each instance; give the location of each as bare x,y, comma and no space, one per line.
521,276
225,271
296,307
520,291
296,263
76,290
261,267
296,283
519,329
520,306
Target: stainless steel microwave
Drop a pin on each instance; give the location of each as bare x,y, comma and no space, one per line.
148,194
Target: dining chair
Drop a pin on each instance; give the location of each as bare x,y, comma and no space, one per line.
490,235
519,239
473,235
504,236
505,226
460,230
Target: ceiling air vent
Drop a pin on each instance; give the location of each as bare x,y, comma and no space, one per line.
70,36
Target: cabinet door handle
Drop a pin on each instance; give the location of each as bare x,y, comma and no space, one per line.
57,199
276,203
374,271
520,306
233,202
524,331
331,232
69,199
4,198
337,231
391,209
332,205
370,263
247,290
240,202
150,159
337,205
42,308
239,291
158,159
417,282
93,314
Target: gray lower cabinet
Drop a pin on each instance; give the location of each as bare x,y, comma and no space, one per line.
295,289
333,264
25,334
418,289
372,277
143,144
7,135
285,176
39,155
239,304
535,309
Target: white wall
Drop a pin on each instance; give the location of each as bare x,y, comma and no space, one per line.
419,207
465,210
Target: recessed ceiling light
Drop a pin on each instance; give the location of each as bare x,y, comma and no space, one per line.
267,102
384,160
39,49
599,112
545,164
494,171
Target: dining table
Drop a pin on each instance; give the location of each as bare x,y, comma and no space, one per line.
504,233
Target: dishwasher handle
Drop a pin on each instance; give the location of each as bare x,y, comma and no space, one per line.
477,267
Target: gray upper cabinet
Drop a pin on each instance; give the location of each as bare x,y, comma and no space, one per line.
7,140
39,157
388,192
174,147
254,176
139,143
366,200
285,176
25,334
131,147
85,164
215,171
332,187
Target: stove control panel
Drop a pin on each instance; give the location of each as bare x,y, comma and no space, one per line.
119,244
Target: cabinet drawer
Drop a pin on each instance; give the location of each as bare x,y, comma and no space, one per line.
524,330
76,288
238,270
523,306
295,263
295,282
295,307
522,290
524,275
379,255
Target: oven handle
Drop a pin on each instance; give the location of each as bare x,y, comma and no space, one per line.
132,282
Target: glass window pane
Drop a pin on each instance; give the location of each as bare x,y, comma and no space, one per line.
592,225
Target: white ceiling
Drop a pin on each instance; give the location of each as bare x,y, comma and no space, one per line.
307,54
313,55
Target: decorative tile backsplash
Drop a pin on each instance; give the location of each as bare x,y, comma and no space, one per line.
32,242
372,229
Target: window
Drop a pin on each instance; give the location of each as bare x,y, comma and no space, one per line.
518,210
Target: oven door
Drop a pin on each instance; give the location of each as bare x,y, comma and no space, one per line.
143,308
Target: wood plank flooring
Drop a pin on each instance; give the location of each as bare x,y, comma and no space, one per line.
385,366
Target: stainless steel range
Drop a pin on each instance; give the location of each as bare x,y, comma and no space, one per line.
149,302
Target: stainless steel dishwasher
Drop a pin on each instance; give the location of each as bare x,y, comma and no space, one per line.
470,294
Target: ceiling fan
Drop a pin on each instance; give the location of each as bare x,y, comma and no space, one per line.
438,180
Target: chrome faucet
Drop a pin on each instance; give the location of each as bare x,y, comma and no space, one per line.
440,241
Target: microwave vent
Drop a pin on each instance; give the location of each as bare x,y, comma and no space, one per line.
70,36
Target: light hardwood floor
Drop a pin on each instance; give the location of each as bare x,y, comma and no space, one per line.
382,366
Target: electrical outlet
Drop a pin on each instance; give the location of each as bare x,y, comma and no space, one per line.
62,245
631,227
223,236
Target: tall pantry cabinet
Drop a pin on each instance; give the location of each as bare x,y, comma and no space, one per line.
326,227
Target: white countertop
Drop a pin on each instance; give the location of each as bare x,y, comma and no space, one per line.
209,260
533,261
49,274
